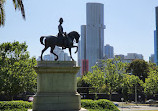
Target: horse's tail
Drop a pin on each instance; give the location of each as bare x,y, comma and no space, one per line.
41,40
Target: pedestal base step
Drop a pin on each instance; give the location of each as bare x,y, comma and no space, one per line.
82,109
56,102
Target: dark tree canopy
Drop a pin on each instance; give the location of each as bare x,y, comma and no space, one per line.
139,68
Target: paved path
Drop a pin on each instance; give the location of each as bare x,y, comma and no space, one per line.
134,108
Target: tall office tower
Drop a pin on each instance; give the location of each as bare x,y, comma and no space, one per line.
108,51
151,58
92,37
79,57
156,37
155,47
94,33
82,62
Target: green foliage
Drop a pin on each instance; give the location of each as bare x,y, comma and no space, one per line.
129,83
151,84
101,104
89,104
82,82
114,70
15,105
139,68
16,109
114,77
100,110
106,79
16,69
96,79
82,85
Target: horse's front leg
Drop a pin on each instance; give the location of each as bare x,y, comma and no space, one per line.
51,51
70,54
43,52
76,48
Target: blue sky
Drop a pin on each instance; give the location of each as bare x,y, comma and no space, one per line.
130,24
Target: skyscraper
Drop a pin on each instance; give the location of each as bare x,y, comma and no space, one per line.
109,51
151,58
82,51
94,32
92,36
156,37
155,47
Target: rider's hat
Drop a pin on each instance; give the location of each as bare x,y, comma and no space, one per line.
61,20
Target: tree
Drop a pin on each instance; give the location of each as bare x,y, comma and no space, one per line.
108,78
114,70
82,85
130,82
151,83
16,69
96,78
139,68
18,4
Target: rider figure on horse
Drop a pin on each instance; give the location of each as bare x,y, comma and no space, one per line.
61,34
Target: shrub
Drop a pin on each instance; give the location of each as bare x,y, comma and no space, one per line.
14,105
89,104
106,104
99,104
23,109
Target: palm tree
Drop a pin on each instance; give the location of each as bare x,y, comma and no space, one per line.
18,4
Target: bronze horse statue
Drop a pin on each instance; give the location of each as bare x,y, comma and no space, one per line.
67,42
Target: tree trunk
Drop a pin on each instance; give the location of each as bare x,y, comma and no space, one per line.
110,95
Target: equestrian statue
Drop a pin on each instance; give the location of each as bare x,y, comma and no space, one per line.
62,40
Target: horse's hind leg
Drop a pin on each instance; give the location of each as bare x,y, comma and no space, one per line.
43,52
51,50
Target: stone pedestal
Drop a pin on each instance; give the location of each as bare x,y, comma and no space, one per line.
56,87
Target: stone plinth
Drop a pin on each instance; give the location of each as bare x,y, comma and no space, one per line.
56,86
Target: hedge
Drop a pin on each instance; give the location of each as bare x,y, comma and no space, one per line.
15,105
99,104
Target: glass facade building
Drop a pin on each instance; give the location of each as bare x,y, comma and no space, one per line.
156,38
92,37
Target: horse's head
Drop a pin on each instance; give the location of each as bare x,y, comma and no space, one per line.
77,36
74,35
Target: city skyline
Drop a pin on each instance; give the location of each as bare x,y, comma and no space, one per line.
62,56
129,24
